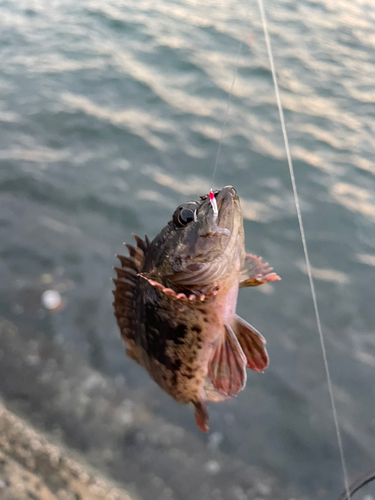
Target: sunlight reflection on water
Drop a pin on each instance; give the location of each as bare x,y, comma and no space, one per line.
111,114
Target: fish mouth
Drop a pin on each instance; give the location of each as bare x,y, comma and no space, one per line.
224,200
228,192
228,208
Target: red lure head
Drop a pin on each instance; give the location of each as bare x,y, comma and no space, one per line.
213,203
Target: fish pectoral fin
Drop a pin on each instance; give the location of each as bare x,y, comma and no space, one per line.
181,296
169,292
254,272
201,414
252,344
227,366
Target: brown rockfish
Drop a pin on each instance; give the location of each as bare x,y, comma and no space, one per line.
175,303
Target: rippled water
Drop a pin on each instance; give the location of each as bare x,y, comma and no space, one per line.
111,114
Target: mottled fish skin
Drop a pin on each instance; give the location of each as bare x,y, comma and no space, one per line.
175,304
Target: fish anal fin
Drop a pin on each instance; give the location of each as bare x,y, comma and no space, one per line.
252,344
211,392
254,272
200,413
227,366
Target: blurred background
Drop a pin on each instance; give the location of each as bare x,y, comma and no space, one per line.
111,114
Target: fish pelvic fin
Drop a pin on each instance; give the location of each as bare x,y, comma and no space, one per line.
227,366
252,344
254,272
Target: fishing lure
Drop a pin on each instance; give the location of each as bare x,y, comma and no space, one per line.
213,204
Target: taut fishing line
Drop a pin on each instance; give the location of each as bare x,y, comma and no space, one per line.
301,226
307,259
230,94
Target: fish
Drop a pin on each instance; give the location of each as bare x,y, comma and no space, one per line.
175,303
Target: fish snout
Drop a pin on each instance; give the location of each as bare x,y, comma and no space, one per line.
227,194
227,190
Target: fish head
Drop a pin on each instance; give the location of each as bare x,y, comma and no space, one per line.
198,247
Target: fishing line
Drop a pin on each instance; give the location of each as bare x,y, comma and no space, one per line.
230,94
307,259
357,485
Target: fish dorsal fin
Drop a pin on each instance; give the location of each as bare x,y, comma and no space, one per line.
252,344
227,366
143,245
125,291
254,272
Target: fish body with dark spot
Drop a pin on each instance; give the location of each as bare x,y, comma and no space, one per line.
175,304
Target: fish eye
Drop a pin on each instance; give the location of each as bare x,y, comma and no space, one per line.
185,216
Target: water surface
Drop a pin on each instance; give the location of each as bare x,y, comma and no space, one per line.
111,114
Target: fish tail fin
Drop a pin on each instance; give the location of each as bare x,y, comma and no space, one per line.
201,414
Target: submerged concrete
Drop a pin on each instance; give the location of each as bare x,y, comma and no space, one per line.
31,468
99,419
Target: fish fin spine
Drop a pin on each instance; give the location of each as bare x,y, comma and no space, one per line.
125,289
137,254
142,244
